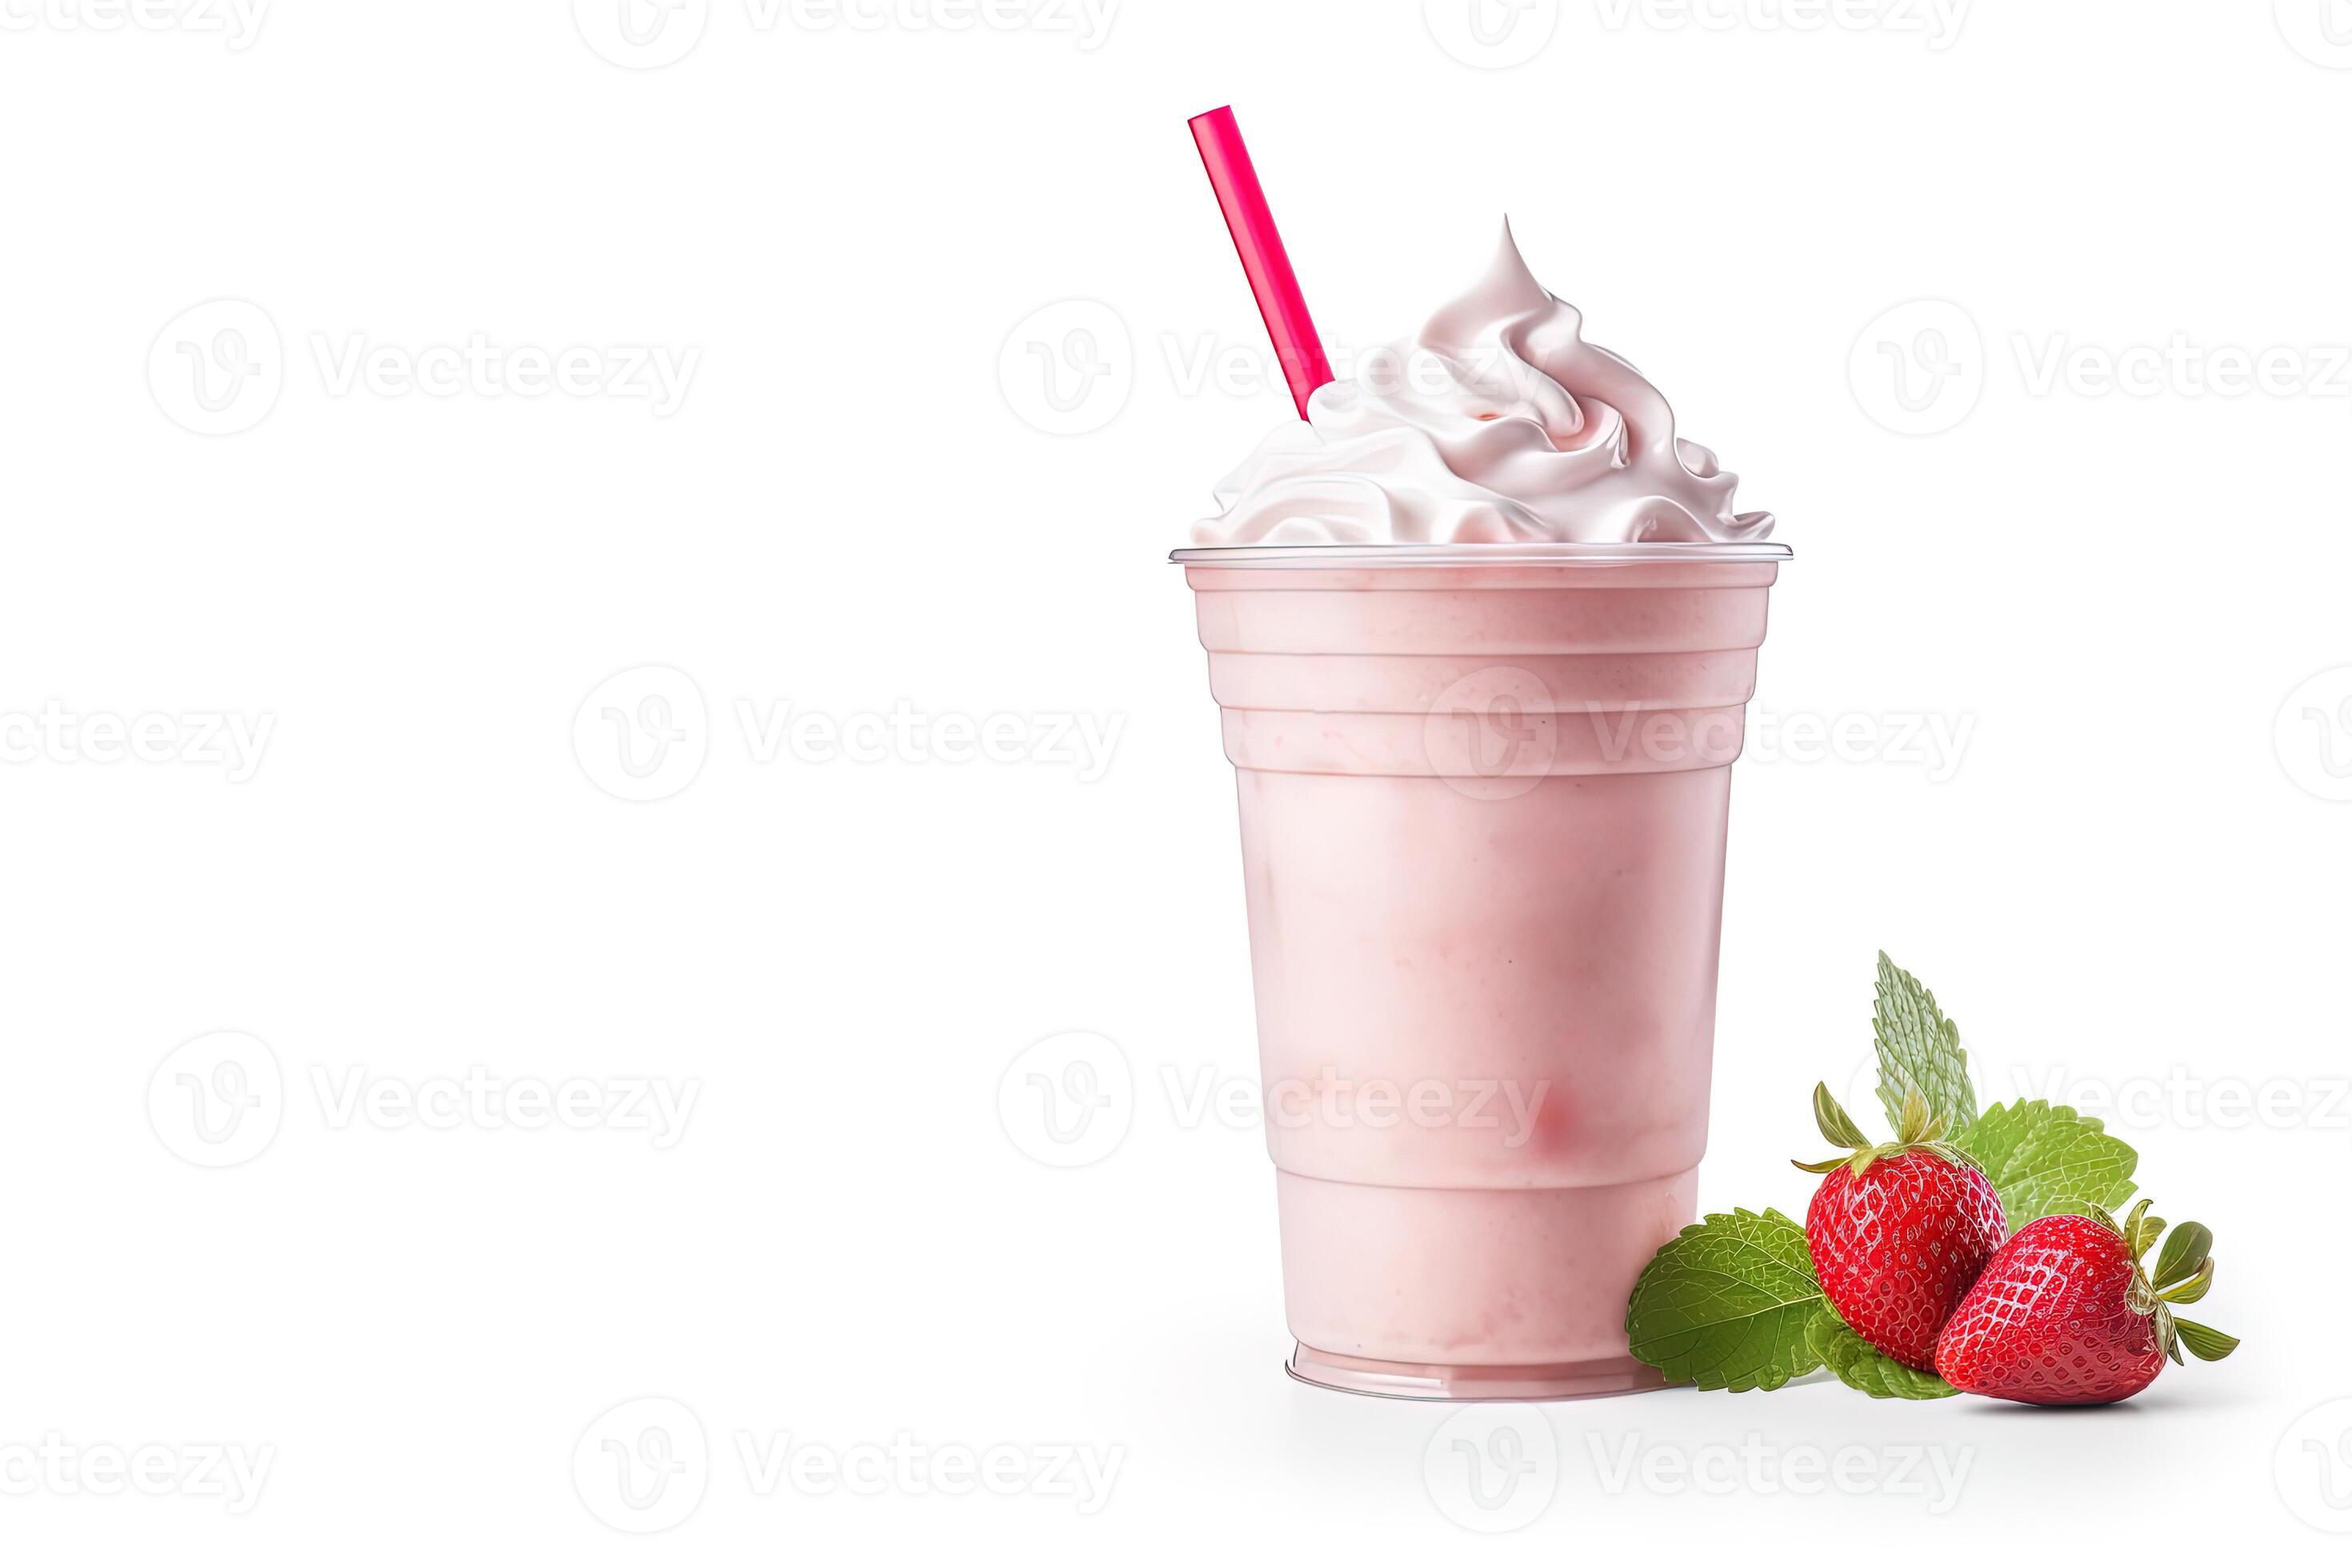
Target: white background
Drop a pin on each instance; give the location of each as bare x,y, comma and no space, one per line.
2132,873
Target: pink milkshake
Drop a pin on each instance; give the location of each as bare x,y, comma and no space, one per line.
1483,631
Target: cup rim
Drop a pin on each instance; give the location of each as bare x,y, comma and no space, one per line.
1537,555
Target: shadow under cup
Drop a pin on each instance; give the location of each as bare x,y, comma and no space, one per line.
1484,795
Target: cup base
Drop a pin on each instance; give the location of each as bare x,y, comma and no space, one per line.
1471,1384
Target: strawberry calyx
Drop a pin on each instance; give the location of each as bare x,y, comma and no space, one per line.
1919,1129
2184,1272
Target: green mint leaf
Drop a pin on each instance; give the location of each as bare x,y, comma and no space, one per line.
1919,1049
1858,1364
2043,1159
1725,1303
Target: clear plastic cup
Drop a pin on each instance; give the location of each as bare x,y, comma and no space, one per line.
1484,791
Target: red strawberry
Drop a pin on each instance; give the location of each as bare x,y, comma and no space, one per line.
1899,1231
2064,1314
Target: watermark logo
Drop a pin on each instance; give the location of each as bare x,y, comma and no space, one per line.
1491,34
216,368
2313,734
643,734
1068,1101
236,21
2318,30
643,1466
1919,368
1067,369
641,34
1493,1468
1492,734
217,1100
2312,1467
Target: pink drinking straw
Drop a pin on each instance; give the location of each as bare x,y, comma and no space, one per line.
1263,258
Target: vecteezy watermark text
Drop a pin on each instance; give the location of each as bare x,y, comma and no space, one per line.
56,1466
234,742
219,369
1495,34
647,35
219,1100
1510,1108
1082,743
643,734
1758,1467
1500,732
236,21
1070,1101
2180,367
1920,368
1936,21
653,373
2180,1098
644,1464
1493,1468
654,1106
906,1467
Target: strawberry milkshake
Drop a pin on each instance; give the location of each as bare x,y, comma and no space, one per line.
1483,629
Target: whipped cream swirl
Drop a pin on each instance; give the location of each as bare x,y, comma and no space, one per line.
1498,424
